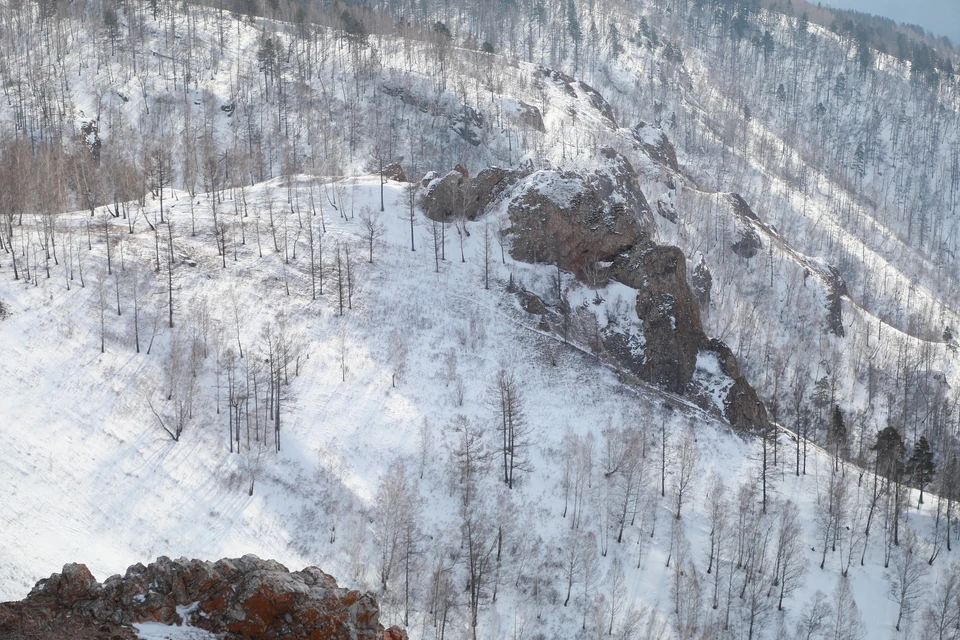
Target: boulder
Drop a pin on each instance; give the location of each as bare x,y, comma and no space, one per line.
395,633
73,584
395,172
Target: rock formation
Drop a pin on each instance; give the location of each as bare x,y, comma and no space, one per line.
579,221
242,598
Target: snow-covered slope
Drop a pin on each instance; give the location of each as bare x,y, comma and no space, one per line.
93,477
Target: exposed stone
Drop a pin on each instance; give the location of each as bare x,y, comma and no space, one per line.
656,144
240,598
561,79
70,586
468,124
581,220
427,178
743,408
395,172
748,242
466,121
394,633
558,217
578,220
701,283
667,210
741,208
599,103
669,313
529,115
455,194
531,303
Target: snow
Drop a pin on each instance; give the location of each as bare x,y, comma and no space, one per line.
91,477
160,631
554,186
710,377
135,494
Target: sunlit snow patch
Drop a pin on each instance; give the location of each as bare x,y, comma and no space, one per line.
711,378
160,631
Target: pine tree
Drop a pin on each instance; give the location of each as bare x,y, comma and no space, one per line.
921,466
890,453
838,433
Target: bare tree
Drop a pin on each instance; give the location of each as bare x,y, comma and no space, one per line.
616,583
396,503
574,550
411,191
100,281
487,249
906,576
435,238
469,457
507,401
252,459
176,411
790,566
372,228
479,541
845,622
686,468
815,619
942,617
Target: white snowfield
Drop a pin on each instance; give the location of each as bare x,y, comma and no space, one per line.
92,477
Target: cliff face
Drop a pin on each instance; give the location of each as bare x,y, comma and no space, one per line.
238,598
584,221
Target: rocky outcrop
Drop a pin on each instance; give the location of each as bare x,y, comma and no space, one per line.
524,114
748,242
669,312
581,221
394,171
456,194
466,121
236,598
742,406
569,86
598,102
560,79
656,144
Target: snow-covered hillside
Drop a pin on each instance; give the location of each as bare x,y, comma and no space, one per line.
227,349
376,421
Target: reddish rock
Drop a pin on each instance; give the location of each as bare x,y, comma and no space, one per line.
72,585
394,633
246,598
669,313
457,195
578,221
